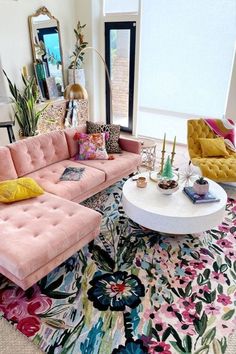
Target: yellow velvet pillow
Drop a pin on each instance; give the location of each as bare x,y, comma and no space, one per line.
213,147
19,189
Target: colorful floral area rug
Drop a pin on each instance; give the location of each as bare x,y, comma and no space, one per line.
133,290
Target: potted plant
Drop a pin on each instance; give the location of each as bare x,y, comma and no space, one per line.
201,186
75,69
25,105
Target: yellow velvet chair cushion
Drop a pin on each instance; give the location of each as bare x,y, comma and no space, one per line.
220,169
19,189
213,147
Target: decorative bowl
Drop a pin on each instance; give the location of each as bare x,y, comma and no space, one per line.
167,186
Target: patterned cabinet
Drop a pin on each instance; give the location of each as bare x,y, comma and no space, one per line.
53,117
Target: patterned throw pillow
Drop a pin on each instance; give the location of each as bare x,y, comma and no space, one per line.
112,144
91,146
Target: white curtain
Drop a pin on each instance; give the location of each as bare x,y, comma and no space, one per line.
186,55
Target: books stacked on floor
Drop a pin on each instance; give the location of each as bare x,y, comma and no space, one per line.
198,199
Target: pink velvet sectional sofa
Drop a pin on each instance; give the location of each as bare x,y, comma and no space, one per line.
38,234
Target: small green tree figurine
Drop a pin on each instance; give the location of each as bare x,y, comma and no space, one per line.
167,170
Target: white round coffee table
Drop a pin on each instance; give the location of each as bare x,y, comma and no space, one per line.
173,213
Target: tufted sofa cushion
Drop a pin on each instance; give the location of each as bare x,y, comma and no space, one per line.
221,169
48,179
7,169
34,232
122,163
34,153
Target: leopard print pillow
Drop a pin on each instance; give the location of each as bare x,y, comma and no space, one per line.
112,144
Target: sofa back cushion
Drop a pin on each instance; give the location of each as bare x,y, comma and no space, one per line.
7,169
37,152
73,144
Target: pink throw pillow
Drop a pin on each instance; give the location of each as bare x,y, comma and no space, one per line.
91,146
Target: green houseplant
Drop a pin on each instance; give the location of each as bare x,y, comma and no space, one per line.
78,59
25,105
201,186
75,69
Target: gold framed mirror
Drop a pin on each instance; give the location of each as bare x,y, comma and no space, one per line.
47,53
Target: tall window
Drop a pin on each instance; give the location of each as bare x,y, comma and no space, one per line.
186,56
120,59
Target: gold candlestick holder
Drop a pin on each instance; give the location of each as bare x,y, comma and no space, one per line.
162,160
172,157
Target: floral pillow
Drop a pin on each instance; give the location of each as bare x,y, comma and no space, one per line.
113,131
91,146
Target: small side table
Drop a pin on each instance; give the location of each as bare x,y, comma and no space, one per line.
10,132
148,153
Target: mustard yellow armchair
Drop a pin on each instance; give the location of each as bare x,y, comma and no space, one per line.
220,169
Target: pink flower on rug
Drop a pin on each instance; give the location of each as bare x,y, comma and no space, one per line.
206,288
158,347
16,310
185,328
224,299
29,326
224,243
231,254
186,303
39,305
169,310
190,273
225,329
224,228
219,276
190,317
212,309
197,265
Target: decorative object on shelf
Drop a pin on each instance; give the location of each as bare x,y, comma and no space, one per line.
25,105
167,187
141,182
52,90
46,49
75,69
187,176
201,186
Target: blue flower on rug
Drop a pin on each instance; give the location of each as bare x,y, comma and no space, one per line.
116,291
131,347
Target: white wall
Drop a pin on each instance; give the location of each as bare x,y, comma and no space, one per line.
91,13
15,48
230,111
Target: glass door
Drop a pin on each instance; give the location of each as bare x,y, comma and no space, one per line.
120,60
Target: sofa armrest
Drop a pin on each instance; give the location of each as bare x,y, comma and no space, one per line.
130,145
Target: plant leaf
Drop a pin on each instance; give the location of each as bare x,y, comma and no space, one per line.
209,336
227,316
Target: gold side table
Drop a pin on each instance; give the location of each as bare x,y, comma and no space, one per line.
148,153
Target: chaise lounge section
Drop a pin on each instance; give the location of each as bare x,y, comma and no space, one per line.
38,234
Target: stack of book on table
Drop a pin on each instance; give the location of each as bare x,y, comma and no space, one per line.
198,199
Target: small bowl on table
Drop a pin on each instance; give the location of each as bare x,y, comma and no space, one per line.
167,186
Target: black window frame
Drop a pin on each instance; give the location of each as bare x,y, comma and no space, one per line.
127,25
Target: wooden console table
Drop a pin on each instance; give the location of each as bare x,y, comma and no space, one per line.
53,116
